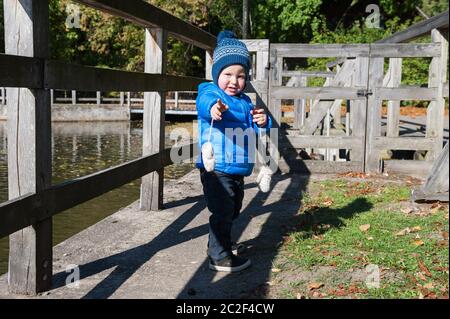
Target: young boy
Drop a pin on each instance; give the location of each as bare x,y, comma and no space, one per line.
225,103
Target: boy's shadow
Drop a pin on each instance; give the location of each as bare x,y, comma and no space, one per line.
264,247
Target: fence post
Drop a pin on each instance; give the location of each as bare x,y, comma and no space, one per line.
3,95
276,79
300,105
358,111
29,147
98,96
153,118
122,98
74,97
436,109
208,64
373,129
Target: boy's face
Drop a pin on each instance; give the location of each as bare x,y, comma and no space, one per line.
232,79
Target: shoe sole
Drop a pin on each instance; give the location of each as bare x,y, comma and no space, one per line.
230,269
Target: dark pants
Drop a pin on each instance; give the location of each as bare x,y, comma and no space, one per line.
224,194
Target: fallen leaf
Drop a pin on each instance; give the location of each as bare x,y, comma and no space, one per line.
370,238
445,235
364,227
419,243
424,268
403,232
315,285
415,229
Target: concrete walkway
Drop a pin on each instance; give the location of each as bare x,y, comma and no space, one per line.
139,254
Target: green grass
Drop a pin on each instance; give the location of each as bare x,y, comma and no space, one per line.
327,233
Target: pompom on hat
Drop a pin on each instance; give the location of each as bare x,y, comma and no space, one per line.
229,51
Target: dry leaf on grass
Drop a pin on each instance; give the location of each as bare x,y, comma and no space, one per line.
424,268
315,285
416,229
419,243
364,227
403,232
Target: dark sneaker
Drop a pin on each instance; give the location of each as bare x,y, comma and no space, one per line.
230,264
236,248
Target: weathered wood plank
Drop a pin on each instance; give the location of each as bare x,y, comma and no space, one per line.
256,45
153,119
404,143
373,128
29,147
149,16
407,93
256,87
445,89
21,71
402,50
343,78
317,141
316,93
323,74
300,105
393,79
436,184
291,50
436,109
407,167
64,76
208,64
358,110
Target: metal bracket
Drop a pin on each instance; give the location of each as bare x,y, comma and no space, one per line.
363,93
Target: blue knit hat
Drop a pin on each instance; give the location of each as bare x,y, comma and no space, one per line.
229,51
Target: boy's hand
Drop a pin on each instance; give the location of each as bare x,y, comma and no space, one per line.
259,116
217,109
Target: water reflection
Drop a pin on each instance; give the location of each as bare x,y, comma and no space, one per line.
79,149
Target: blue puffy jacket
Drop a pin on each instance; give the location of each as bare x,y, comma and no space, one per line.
231,154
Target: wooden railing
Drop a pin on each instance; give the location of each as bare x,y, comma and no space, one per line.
29,75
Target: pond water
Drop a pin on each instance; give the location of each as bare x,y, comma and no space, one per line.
80,149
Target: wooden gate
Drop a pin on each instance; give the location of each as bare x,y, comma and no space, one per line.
337,127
